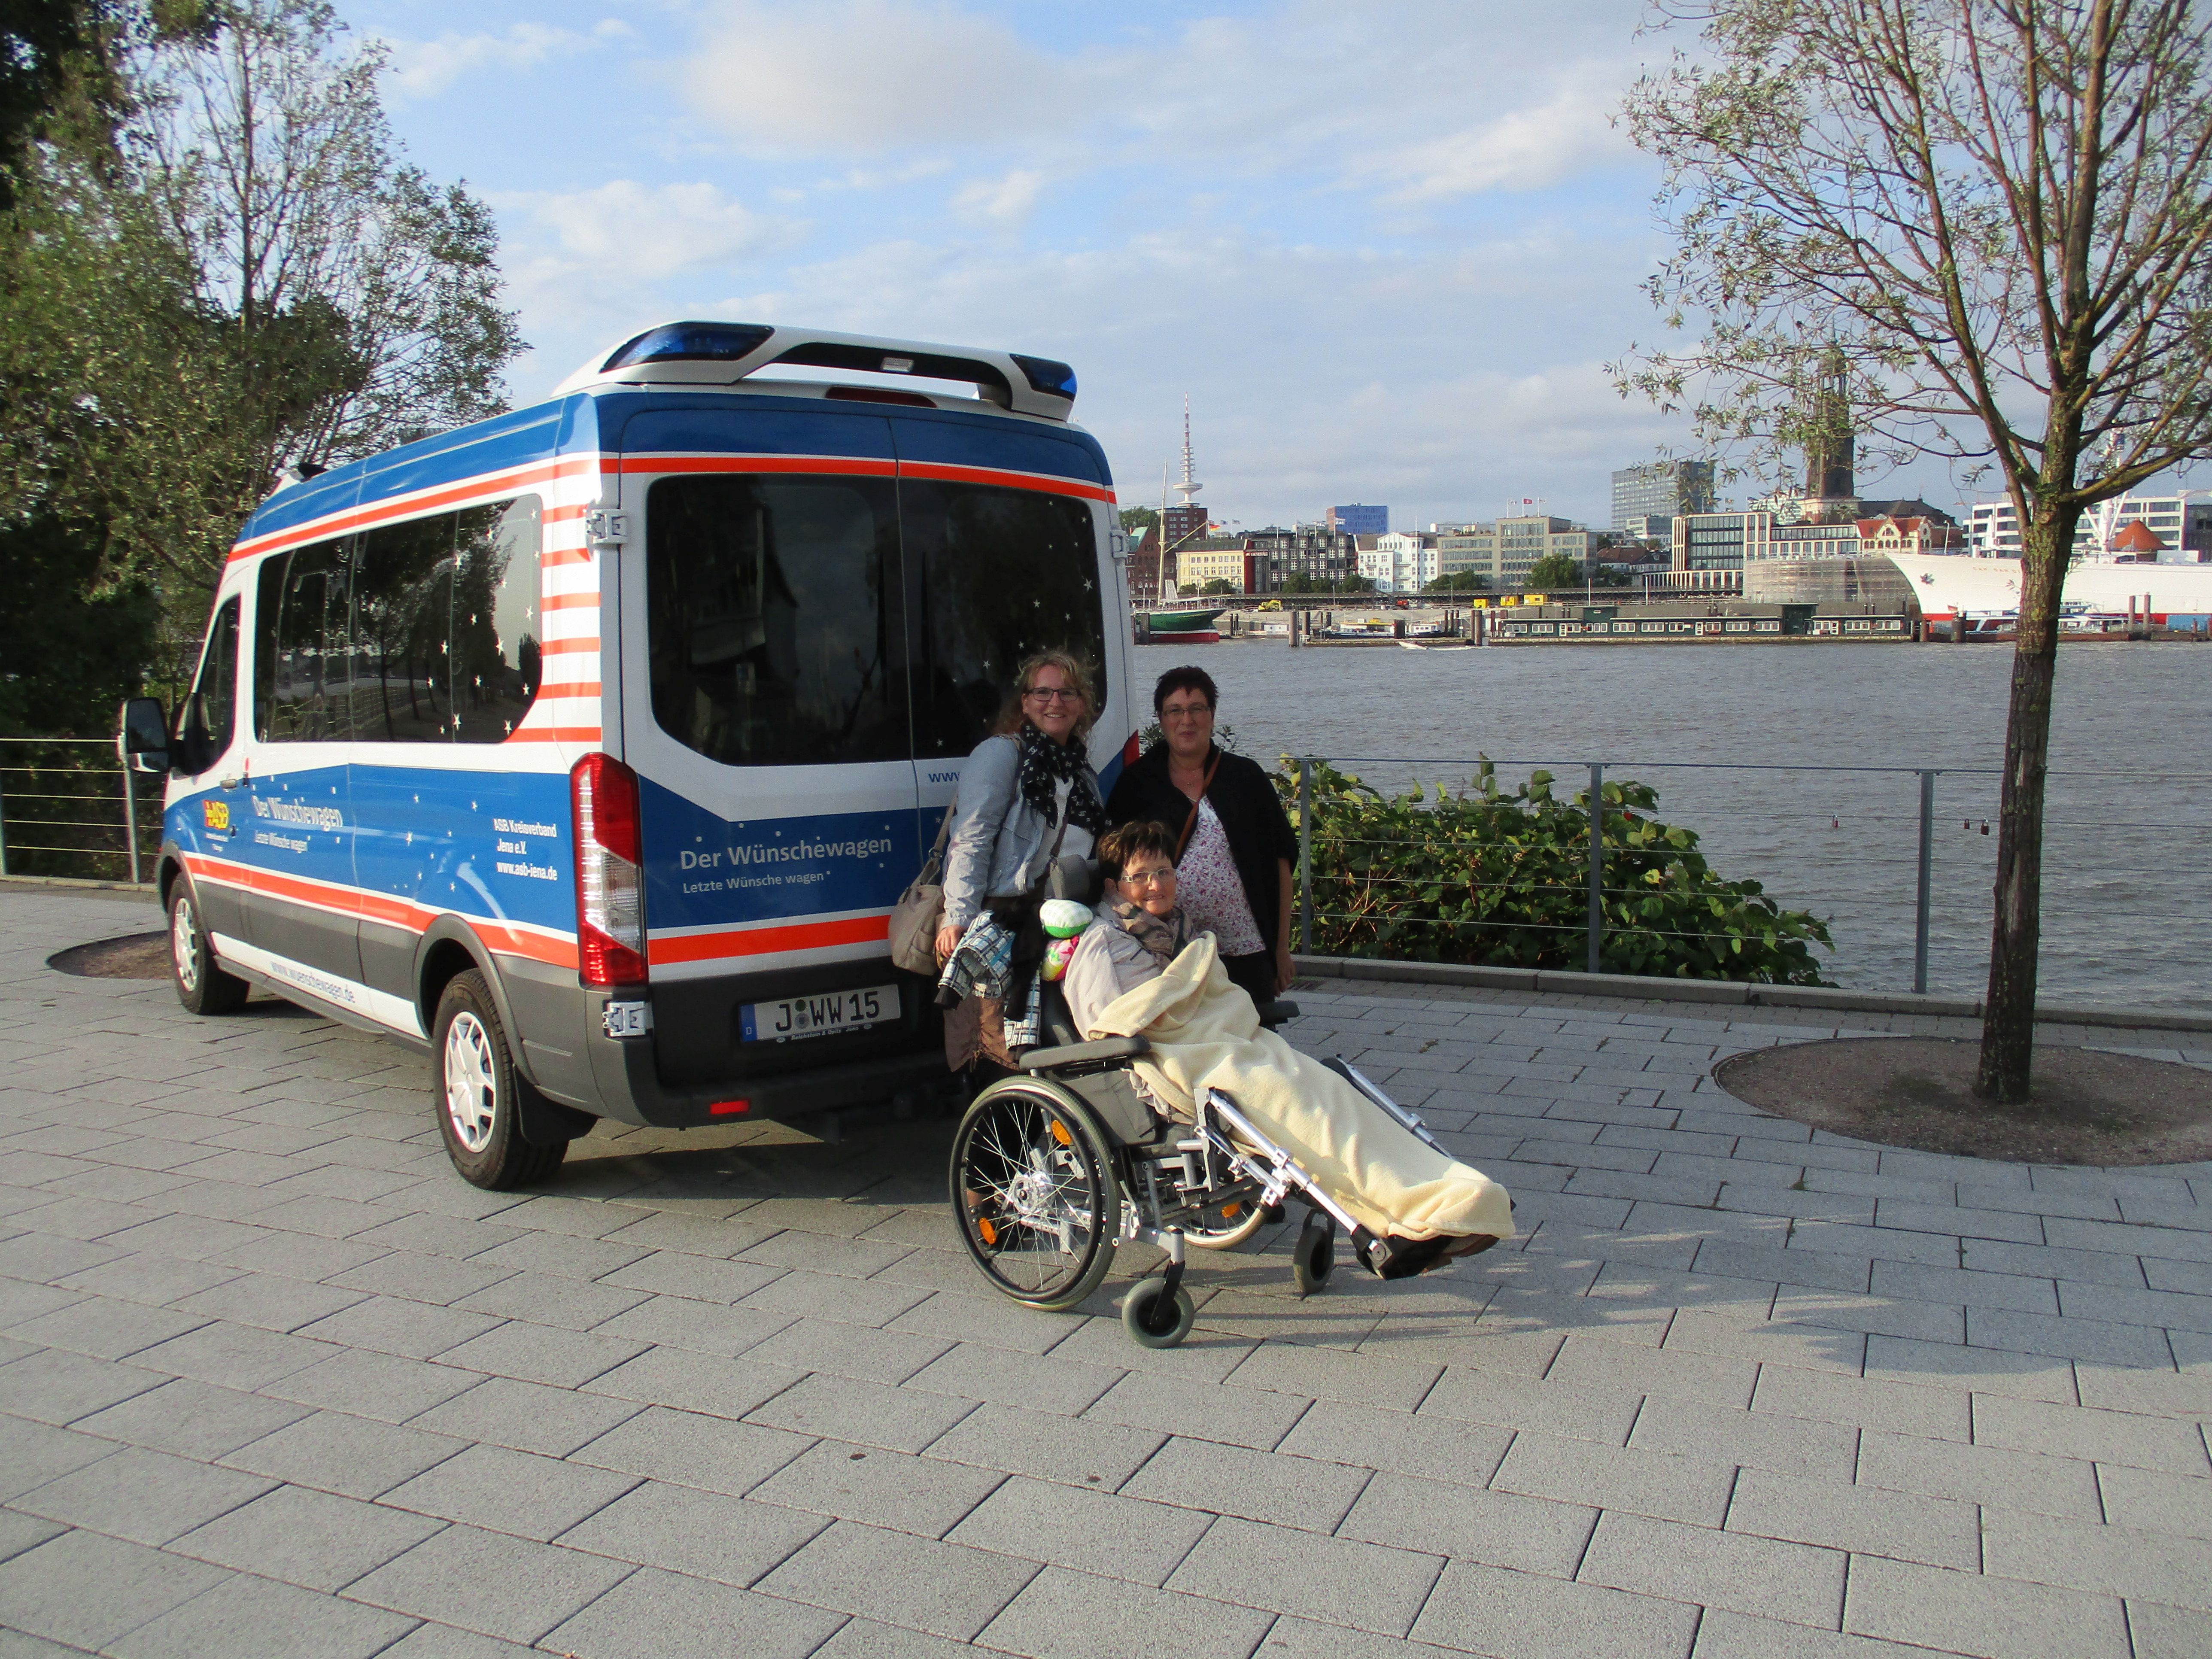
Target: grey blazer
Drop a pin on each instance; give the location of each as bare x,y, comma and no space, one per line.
998,840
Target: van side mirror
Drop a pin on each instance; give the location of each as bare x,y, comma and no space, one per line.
143,741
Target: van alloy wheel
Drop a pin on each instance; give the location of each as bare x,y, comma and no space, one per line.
471,1090
201,985
185,945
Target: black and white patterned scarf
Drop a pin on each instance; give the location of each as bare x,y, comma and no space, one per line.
1164,936
1044,766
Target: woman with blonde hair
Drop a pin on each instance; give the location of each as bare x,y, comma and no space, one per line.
1027,795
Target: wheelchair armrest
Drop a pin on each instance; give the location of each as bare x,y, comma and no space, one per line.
1106,1051
1278,1012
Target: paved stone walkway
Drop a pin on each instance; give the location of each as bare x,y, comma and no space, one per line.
275,1382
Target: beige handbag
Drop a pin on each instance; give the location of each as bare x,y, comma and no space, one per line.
920,911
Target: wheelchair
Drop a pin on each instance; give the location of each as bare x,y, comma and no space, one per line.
1057,1165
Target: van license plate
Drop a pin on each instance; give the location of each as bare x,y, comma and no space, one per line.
813,1016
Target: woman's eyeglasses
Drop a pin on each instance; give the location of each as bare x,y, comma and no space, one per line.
1164,877
1052,694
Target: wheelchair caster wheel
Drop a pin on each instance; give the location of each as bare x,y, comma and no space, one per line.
1314,1258
1151,1320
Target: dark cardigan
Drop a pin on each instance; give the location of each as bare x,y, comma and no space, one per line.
1251,815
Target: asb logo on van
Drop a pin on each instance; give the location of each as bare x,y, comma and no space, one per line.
215,814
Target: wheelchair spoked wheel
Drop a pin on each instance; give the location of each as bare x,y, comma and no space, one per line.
1224,1226
1034,1188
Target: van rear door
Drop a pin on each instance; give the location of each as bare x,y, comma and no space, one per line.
767,711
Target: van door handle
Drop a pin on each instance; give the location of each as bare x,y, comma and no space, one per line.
228,783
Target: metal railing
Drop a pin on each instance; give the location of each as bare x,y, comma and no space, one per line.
2114,915
69,807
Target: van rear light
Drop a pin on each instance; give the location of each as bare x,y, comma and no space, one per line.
609,873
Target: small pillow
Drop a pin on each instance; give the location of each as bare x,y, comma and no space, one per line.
1064,918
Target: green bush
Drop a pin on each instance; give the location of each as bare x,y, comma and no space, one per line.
1503,880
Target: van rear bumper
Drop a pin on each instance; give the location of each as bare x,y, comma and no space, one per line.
630,1089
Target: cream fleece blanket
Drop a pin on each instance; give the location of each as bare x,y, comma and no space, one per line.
1205,1035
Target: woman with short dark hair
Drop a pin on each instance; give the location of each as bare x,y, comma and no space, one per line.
1234,843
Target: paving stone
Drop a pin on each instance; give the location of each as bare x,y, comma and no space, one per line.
2107,1437
371,1385
105,1327
706,1534
1322,1374
973,1371
1224,1480
700,1277
865,1413
879,1488
1684,1428
194,1419
1725,1635
2163,1632
1362,1438
1865,1519
872,1355
526,1416
390,1324
233,1356
2159,1393
2070,1338
1934,1413
307,1538
694,1381
693,1450
1093,1532
1984,1371
88,1590
2084,1555
1989,1618
1591,1363
943,1589
1518,1616
542,1299
335,1451
652,1613
2152,1501
864,1638
515,1491
1614,1478
1601,1411
147,1496
537,1353
1990,1475
491,1582
1071,1451
1790,1581
1502,1528
1237,1417
33,1452
19,1533
60,1387
1064,1614
1336,1580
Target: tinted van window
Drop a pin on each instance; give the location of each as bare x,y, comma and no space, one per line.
403,623
496,640
771,619
996,575
303,669
211,711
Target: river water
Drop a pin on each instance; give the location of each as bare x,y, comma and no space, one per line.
2126,918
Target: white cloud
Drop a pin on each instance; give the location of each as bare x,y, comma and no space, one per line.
423,69
1521,149
841,76
1008,200
649,232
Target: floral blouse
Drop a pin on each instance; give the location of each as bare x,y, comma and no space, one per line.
1211,891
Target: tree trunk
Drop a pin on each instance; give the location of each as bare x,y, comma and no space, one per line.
2009,1012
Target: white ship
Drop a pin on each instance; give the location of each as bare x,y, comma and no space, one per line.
1949,584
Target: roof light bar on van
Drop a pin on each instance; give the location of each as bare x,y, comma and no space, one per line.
722,354
610,872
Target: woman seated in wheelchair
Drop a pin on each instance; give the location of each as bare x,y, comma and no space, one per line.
1135,972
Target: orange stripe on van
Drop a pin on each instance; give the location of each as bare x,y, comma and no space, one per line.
570,688
558,555
567,601
554,734
851,466
491,486
767,941
989,475
569,647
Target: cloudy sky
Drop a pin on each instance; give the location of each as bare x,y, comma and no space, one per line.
1384,246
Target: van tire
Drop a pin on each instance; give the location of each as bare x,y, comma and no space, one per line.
201,986
477,1092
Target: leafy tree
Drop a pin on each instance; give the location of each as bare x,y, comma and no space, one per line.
1459,581
1502,879
1978,229
1138,519
1220,584
74,653
1555,570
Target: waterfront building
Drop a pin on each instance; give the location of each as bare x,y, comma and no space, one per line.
1145,567
2181,520
1323,557
1215,558
1505,552
1469,550
1359,520
1400,562
1660,490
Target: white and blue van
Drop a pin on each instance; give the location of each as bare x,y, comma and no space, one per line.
588,748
